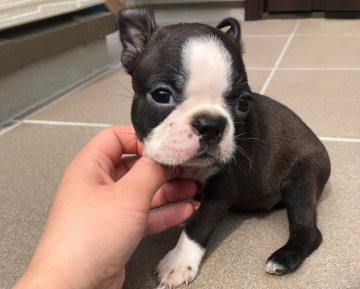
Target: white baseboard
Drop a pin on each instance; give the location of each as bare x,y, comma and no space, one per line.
16,12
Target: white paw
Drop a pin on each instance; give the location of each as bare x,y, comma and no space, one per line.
274,268
181,264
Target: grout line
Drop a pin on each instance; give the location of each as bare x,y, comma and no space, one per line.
10,127
328,34
339,139
266,35
64,123
258,68
301,34
103,125
319,68
307,68
281,56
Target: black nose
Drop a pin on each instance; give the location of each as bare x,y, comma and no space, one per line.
210,128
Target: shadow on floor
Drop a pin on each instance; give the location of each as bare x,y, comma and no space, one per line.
141,268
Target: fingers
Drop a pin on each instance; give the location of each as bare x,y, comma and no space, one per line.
111,143
143,180
174,191
168,217
124,166
96,162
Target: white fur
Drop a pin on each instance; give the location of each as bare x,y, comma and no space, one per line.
272,267
199,174
181,264
208,66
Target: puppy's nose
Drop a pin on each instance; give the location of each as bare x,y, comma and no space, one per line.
209,128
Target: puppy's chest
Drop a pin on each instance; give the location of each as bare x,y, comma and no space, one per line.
249,197
200,175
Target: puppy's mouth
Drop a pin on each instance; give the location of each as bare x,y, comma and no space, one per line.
203,142
207,155
202,156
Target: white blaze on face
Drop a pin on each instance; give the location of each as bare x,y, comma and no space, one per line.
207,65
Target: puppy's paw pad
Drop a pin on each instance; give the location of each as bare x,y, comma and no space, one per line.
282,262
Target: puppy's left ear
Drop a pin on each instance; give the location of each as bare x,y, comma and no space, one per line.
234,31
136,27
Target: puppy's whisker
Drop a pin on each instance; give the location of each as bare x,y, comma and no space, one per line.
236,85
240,80
235,161
123,95
254,138
243,152
247,93
241,134
177,71
129,90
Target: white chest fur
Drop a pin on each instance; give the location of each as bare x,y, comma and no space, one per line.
199,174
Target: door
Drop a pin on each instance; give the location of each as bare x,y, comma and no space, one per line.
312,5
289,5
342,5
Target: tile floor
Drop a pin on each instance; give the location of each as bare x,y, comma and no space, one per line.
313,66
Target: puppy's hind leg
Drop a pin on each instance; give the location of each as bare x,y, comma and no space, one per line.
299,191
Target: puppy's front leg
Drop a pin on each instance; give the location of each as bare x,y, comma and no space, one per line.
300,191
181,264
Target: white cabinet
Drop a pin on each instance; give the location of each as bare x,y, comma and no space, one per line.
15,12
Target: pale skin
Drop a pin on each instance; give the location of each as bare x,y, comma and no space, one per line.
102,210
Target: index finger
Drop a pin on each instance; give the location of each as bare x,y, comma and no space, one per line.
111,143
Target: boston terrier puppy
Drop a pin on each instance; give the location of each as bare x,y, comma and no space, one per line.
193,108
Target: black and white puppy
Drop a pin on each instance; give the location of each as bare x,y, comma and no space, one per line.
193,108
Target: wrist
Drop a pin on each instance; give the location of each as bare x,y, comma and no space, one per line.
37,278
40,279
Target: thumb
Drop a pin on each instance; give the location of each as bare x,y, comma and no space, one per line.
144,179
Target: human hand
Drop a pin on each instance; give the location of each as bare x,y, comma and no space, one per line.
101,211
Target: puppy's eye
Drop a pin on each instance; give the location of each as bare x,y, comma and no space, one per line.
162,96
243,104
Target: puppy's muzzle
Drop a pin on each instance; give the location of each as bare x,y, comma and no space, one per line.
210,129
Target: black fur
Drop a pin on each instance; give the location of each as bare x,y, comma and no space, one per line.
234,31
136,27
278,158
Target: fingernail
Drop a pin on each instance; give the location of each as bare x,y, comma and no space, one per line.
196,204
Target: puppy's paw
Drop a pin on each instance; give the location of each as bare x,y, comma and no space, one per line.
181,264
282,261
172,272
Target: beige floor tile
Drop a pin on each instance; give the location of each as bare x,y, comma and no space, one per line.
328,101
323,51
32,160
331,26
106,100
268,27
257,78
262,51
243,242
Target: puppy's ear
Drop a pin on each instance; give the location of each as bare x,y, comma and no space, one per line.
136,27
234,31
